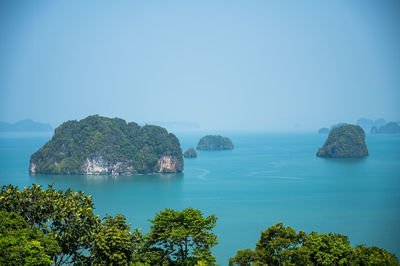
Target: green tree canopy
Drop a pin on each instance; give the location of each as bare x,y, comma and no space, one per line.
373,256
280,245
64,215
277,243
327,249
114,243
21,244
185,236
244,257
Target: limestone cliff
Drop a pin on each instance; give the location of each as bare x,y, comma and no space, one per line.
168,164
99,166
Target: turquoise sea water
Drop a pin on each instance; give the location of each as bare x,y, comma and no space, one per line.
267,178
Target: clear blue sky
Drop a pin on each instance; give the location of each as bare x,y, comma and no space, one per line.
233,65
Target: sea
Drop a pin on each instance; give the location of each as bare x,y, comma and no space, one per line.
267,178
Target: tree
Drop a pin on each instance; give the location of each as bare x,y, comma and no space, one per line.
243,257
281,245
21,244
64,215
114,242
373,256
327,249
277,244
184,236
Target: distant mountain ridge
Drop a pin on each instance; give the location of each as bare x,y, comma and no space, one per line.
26,125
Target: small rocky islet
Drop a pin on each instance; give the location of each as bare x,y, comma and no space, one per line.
347,141
190,153
110,146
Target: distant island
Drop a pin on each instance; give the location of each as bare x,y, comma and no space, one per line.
26,125
101,145
368,124
323,130
389,128
190,153
214,143
346,141
374,130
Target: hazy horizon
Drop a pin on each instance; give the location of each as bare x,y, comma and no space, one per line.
226,65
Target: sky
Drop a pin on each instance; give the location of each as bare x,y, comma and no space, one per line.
226,65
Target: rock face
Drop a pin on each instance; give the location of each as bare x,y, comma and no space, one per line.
99,166
190,153
346,141
374,130
100,145
323,130
167,164
214,143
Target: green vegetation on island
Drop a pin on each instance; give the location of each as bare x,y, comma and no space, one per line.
190,153
280,245
44,227
214,143
346,141
101,145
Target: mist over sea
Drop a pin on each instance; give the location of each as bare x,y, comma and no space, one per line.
266,179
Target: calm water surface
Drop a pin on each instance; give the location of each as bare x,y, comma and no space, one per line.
266,179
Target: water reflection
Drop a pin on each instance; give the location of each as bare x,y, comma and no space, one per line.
344,161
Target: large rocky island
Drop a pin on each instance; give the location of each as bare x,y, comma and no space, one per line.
214,143
346,141
101,145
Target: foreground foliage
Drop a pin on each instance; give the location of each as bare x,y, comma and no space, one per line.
66,216
184,236
42,227
22,245
280,245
